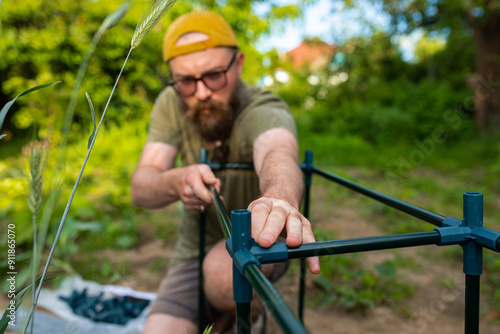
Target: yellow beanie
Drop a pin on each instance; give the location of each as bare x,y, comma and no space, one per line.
213,25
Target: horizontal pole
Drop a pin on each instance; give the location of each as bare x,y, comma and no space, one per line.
216,166
222,216
364,244
275,303
411,209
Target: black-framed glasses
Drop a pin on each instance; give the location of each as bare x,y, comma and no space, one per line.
186,86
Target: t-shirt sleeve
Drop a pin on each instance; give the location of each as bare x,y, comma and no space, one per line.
269,112
166,119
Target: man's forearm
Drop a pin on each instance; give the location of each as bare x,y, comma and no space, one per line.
153,189
280,177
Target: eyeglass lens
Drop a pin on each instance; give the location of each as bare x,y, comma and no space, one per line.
213,81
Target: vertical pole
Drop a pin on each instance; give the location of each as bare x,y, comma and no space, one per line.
308,180
242,289
201,294
472,286
473,261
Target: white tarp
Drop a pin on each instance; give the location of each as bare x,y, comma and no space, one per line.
63,320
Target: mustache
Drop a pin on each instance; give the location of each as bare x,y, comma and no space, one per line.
215,107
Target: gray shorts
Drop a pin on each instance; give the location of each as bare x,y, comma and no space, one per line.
178,292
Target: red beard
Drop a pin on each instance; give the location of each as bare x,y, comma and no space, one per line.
214,125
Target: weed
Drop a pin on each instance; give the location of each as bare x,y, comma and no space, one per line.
346,282
35,195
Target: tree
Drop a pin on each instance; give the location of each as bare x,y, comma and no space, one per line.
476,20
43,41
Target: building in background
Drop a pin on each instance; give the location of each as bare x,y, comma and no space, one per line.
309,58
311,55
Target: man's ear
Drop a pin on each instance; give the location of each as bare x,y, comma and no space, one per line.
240,59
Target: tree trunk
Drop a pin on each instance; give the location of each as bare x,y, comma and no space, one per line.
486,84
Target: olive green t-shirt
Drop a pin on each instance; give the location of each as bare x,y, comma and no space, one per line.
260,112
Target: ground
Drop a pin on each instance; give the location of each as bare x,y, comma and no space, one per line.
436,307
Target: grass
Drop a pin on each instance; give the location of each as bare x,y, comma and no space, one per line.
37,163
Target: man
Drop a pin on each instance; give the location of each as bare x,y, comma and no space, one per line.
207,106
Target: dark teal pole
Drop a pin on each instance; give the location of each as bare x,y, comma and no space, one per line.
473,261
222,216
280,310
242,289
201,256
410,209
307,169
331,247
201,293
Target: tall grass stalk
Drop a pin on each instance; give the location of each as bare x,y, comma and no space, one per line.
153,16
156,12
39,240
35,200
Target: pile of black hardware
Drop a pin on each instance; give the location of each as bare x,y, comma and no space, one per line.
116,310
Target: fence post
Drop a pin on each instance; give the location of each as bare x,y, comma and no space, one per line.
473,261
201,256
242,289
307,170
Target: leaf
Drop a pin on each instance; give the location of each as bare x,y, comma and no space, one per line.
91,138
208,330
324,283
387,269
18,299
9,104
114,17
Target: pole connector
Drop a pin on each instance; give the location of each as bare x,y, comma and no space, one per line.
470,234
307,167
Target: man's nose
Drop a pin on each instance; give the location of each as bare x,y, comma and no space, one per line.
202,92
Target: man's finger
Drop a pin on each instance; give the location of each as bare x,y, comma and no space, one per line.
207,174
201,191
294,230
273,227
260,211
308,237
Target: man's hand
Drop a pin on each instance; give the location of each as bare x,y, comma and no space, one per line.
271,216
193,190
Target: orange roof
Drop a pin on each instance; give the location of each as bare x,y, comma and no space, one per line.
312,54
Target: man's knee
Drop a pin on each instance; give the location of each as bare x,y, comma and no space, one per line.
218,277
161,323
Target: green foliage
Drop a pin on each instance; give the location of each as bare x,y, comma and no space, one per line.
8,105
17,300
369,92
346,282
44,40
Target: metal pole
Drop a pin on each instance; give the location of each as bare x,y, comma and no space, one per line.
473,261
275,303
307,169
231,165
242,289
410,209
364,244
472,286
222,216
201,256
